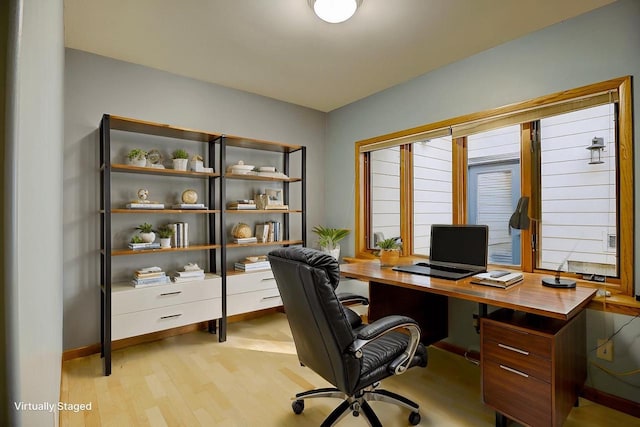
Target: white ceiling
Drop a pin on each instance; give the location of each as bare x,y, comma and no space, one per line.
280,49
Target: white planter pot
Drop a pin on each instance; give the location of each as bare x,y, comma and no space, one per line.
180,164
165,242
334,252
138,162
148,237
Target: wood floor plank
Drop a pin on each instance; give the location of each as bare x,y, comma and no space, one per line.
249,380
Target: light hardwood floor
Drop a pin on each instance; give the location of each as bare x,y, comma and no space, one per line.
193,380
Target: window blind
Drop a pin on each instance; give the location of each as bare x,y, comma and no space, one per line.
405,139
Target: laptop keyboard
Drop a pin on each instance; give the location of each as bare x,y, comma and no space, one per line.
444,268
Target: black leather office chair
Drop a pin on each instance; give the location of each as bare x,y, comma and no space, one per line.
353,359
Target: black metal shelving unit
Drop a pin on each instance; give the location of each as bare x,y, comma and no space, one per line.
217,245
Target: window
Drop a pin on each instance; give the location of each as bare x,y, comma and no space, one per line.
578,197
473,169
432,189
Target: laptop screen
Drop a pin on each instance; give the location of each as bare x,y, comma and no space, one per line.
460,244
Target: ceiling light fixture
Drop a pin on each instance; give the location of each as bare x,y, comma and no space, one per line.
334,11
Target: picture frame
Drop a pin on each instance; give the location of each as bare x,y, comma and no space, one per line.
275,196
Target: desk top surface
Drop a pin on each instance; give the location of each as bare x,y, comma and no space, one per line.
527,296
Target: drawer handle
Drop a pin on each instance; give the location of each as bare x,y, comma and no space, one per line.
268,279
271,297
171,316
170,293
517,350
522,374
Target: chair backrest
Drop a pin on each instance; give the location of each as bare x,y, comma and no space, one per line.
307,280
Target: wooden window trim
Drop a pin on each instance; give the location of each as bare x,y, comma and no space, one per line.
530,177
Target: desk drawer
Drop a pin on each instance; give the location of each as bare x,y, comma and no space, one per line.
158,319
520,396
520,360
517,339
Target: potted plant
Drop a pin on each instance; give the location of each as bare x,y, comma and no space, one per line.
328,239
180,159
165,234
389,251
137,157
146,232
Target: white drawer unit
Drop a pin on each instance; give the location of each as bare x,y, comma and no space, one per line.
253,291
156,308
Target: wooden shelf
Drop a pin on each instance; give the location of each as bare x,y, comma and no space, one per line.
261,211
257,144
118,167
278,243
158,129
164,211
127,251
260,178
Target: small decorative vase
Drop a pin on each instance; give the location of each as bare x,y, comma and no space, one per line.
165,242
148,237
389,257
180,164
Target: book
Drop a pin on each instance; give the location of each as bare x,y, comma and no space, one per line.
189,206
497,278
252,266
241,206
179,279
148,275
245,240
276,207
139,283
190,273
137,246
153,269
145,205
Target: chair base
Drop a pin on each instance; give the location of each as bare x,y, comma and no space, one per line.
357,404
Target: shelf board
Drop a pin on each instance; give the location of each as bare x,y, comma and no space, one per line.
165,211
278,243
127,251
159,129
261,211
118,167
257,144
260,177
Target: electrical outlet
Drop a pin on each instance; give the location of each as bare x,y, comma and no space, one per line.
605,350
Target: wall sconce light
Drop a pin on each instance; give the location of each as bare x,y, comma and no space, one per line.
334,11
595,149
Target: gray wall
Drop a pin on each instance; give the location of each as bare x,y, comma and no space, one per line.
594,47
32,198
95,85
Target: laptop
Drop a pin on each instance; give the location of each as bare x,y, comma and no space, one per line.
457,251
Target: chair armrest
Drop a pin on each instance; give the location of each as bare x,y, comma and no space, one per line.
348,297
383,326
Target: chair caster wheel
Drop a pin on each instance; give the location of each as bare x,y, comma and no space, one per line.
414,418
298,406
356,413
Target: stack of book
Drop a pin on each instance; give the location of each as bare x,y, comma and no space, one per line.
189,206
149,276
149,205
242,204
138,246
247,265
188,276
244,240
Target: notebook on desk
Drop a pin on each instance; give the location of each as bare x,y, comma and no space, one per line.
457,251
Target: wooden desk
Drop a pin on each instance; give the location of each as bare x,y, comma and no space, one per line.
533,349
